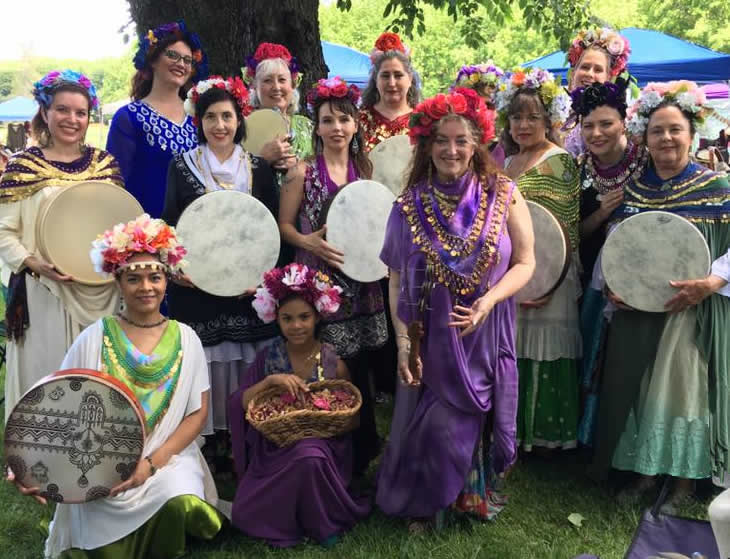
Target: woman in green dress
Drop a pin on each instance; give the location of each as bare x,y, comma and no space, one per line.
171,493
532,105
664,396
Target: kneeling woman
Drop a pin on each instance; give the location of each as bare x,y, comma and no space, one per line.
170,493
286,494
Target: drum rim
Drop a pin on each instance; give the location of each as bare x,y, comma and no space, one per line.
43,215
620,225
87,374
568,254
242,195
325,213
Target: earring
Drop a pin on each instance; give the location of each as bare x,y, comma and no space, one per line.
355,144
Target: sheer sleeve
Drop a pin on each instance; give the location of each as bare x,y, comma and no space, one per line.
122,142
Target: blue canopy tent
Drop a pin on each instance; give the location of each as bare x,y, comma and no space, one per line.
351,65
17,109
657,57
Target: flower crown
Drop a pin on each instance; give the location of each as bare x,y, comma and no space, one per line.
547,86
233,85
684,94
386,42
295,279
461,101
44,88
268,51
111,250
332,88
478,75
586,99
178,30
616,45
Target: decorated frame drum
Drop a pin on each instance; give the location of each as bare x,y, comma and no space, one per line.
552,255
73,217
263,126
391,159
76,434
648,250
356,218
231,240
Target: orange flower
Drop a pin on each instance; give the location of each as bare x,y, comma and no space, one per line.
518,78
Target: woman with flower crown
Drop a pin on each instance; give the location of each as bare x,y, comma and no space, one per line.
228,327
274,77
459,245
145,134
610,162
532,106
46,310
299,491
171,494
664,402
359,326
595,55
393,90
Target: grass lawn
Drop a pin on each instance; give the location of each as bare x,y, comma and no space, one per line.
542,491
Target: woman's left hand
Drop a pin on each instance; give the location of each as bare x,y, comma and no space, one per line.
470,318
693,292
141,474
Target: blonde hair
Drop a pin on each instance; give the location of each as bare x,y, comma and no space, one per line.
264,69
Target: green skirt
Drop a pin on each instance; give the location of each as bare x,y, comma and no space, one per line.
163,535
548,410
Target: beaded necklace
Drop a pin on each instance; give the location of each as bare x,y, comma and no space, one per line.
607,179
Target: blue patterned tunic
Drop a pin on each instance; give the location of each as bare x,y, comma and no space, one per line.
143,142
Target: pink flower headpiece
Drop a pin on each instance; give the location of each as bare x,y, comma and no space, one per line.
386,42
268,51
112,249
461,101
332,88
233,85
296,279
616,45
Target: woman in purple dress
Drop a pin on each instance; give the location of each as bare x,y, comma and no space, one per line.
459,244
287,494
148,132
359,326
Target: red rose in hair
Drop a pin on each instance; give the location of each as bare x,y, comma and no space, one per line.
323,91
458,103
266,51
437,107
389,41
340,90
425,120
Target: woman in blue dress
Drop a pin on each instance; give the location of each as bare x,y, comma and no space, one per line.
148,132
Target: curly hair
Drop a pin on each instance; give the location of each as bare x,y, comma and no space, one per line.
39,127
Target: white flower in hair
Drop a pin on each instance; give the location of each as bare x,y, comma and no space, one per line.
189,106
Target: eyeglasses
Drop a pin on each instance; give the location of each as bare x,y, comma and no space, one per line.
177,57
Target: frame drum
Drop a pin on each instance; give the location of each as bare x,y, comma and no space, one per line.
76,434
263,126
391,159
73,217
648,250
231,239
356,219
552,255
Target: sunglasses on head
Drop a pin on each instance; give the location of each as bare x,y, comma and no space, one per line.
177,57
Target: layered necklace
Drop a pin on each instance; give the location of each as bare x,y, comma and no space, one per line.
611,178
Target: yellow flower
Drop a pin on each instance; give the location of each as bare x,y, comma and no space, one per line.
474,78
151,37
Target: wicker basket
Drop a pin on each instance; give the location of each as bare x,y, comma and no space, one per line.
286,429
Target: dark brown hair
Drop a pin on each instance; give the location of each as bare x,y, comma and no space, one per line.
670,103
526,99
481,163
362,162
142,80
371,95
39,127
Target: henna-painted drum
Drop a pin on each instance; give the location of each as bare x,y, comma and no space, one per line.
76,434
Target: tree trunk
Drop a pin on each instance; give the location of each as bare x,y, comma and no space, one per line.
230,30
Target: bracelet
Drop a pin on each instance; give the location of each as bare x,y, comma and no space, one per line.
152,466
